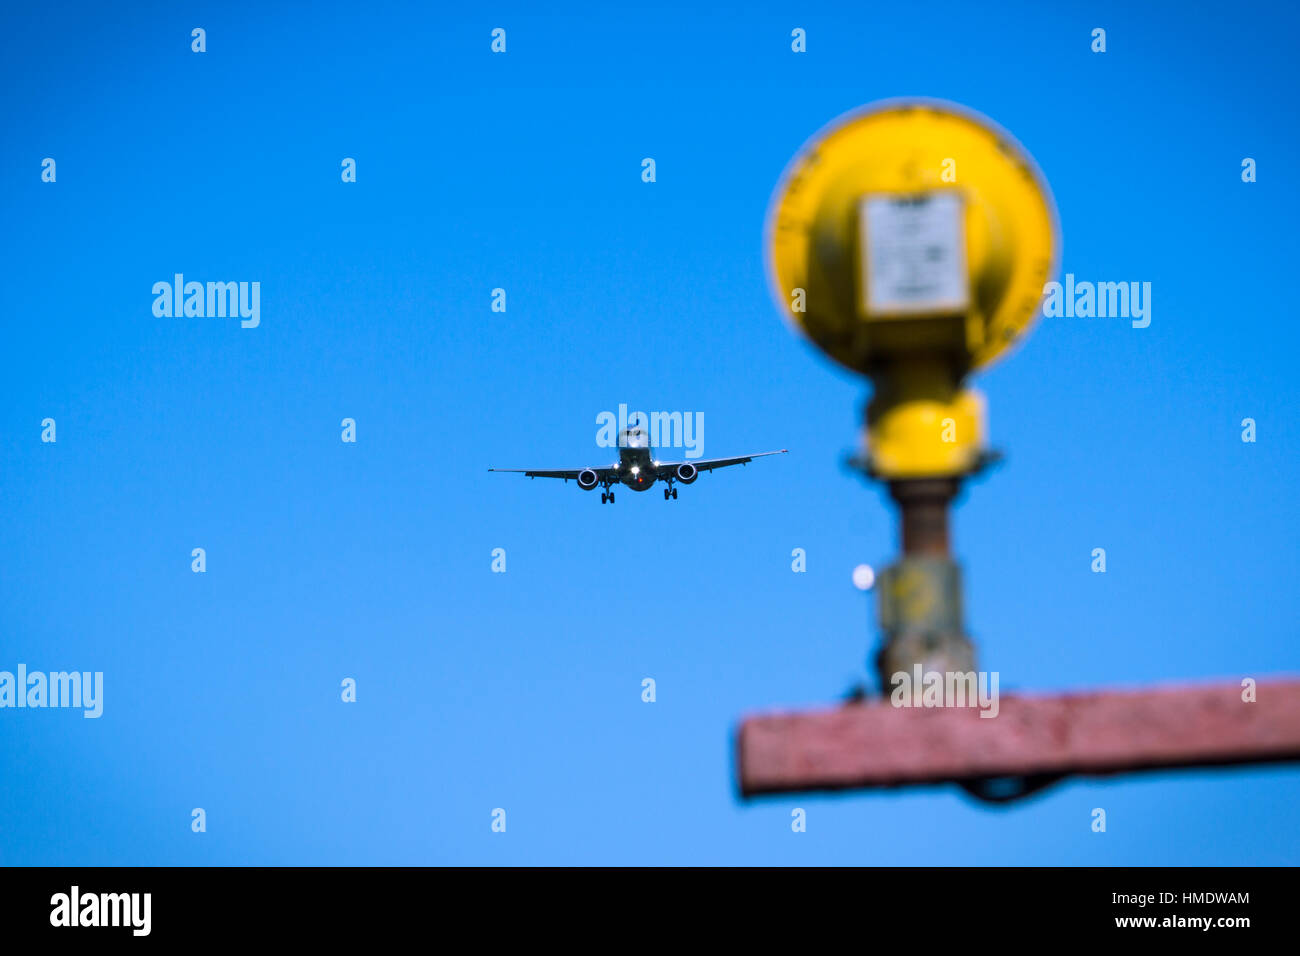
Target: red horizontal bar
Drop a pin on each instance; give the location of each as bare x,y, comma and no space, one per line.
875,744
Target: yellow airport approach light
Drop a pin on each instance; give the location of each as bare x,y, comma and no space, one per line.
910,241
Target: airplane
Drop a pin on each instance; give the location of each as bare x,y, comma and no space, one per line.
638,469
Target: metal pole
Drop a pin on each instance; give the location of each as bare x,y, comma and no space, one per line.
920,604
923,512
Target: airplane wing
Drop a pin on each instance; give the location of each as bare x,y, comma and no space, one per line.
604,474
708,464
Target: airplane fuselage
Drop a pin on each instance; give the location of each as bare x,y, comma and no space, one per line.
636,464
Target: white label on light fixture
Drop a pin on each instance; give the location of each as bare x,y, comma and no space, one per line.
913,254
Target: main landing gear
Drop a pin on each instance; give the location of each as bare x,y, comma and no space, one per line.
607,496
670,493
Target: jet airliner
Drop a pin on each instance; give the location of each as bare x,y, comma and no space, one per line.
638,468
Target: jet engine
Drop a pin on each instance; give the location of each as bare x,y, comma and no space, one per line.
686,473
588,479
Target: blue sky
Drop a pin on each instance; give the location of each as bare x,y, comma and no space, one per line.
372,560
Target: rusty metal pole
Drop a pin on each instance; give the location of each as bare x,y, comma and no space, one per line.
923,505
920,604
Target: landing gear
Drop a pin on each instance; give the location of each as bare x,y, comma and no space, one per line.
670,493
607,496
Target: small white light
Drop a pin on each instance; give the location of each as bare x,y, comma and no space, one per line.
636,470
863,577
